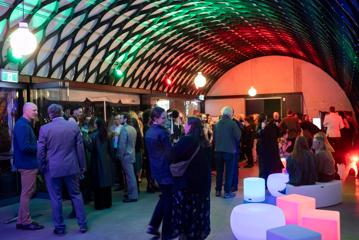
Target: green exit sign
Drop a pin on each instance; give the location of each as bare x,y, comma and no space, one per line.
9,76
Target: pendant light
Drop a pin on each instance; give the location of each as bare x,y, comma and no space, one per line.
22,41
200,80
252,91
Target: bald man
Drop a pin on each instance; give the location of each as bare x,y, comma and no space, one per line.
25,160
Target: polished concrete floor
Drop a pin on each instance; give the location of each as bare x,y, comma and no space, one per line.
129,220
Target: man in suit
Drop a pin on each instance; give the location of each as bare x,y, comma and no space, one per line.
25,161
62,160
127,156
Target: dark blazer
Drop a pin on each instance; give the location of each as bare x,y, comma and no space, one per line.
60,148
25,146
227,135
158,146
197,178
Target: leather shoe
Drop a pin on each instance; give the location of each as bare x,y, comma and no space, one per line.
18,226
84,229
31,226
59,231
218,193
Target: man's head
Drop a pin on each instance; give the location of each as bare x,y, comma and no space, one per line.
276,116
29,111
117,120
77,112
54,111
124,117
227,111
289,113
332,109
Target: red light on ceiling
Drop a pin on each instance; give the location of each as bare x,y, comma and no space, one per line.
168,81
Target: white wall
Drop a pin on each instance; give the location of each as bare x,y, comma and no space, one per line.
278,74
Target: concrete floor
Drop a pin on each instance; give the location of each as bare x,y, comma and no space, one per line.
129,220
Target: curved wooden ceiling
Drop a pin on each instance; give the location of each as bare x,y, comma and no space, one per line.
139,44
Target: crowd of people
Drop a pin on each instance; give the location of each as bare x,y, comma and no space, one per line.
176,155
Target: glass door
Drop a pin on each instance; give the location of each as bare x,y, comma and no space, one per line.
11,102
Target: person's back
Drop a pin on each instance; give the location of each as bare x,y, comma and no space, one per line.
325,166
64,147
226,135
302,171
290,124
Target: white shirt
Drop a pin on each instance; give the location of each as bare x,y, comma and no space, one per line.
333,122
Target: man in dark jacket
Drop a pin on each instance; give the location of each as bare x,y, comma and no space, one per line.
226,137
25,161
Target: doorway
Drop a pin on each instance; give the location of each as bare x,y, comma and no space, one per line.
263,105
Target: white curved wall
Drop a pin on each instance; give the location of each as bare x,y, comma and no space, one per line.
278,74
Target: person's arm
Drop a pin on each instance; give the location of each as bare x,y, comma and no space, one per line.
325,121
42,151
24,136
122,143
80,151
237,132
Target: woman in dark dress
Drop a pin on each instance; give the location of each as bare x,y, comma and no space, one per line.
301,164
191,208
101,171
269,159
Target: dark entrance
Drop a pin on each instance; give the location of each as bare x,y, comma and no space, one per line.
263,105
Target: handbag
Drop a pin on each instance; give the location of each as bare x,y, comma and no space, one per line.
178,169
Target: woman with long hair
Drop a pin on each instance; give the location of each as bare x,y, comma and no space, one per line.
101,171
301,164
324,160
191,210
158,147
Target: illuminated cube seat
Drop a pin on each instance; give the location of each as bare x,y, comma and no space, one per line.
326,222
251,221
277,182
294,205
292,232
254,189
325,193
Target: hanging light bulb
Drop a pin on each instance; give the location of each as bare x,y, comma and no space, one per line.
252,91
200,80
22,41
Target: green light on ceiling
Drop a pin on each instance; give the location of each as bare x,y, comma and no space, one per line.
118,73
43,15
17,13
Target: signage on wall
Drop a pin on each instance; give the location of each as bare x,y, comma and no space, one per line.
9,76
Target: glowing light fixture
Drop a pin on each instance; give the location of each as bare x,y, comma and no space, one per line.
22,41
252,91
200,80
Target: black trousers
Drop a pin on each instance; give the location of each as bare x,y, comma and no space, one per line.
163,212
247,151
103,198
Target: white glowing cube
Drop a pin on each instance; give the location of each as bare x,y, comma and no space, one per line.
326,222
294,205
254,189
251,221
277,182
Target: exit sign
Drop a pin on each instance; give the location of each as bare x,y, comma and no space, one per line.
9,76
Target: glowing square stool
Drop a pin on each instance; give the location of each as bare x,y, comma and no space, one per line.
254,189
292,232
323,221
294,205
251,221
